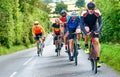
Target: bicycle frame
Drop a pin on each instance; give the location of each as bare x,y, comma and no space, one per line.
40,46
59,45
93,54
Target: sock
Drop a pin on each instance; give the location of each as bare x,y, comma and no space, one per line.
98,58
71,53
86,45
65,47
78,42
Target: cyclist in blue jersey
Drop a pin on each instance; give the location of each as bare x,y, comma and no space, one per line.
73,26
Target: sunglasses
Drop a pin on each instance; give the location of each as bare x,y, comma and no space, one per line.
36,24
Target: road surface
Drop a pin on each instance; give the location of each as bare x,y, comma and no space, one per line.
26,63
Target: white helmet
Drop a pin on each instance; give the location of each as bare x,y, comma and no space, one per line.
74,14
36,22
57,20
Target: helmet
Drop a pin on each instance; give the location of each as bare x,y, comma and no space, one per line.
36,22
74,14
91,6
63,13
57,20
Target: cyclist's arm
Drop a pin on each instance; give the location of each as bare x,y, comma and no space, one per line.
100,23
82,26
43,31
33,31
53,28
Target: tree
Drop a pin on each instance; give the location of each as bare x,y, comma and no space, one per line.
80,3
111,19
59,7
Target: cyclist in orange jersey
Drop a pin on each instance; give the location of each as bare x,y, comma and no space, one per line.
38,31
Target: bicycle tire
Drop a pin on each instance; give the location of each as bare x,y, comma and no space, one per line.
38,52
94,58
75,54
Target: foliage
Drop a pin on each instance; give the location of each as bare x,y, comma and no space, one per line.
80,3
17,18
111,19
59,7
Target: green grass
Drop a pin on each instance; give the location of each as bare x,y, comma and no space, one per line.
4,50
110,54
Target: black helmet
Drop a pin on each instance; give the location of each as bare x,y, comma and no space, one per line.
63,13
91,6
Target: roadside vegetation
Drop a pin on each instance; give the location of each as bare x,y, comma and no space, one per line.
17,18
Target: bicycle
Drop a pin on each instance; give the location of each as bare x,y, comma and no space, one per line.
59,44
93,54
40,49
75,50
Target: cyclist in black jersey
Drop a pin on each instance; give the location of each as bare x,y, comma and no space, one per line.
90,17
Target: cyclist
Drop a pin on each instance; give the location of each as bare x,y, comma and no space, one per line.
38,30
63,18
89,17
56,30
73,26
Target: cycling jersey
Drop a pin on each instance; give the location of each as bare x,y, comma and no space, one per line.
90,20
63,19
72,26
37,30
73,23
56,28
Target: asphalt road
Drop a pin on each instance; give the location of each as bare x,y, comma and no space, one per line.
26,63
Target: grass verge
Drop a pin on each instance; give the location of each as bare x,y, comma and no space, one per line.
110,54
4,50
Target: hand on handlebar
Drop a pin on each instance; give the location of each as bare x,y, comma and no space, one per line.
96,32
88,33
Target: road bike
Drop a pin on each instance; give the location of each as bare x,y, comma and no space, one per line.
75,49
40,48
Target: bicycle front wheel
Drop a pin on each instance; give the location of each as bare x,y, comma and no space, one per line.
94,59
75,54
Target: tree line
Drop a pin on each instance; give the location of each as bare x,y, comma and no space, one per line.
111,19
17,18
110,10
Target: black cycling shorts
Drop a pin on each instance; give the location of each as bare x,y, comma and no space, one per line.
56,37
37,36
94,28
71,36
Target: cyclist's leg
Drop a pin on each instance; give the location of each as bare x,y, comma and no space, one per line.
42,37
66,37
97,47
56,42
78,41
65,40
86,39
37,41
71,42
71,45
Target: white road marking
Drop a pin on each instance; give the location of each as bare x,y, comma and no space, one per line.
13,74
28,61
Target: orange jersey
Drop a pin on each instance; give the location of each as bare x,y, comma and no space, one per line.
37,30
